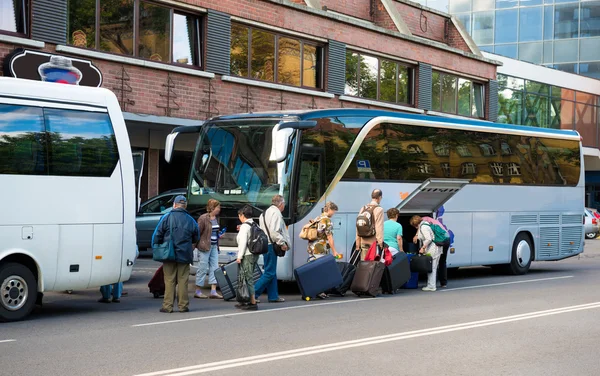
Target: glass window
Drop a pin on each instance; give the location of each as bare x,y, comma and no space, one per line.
155,32
185,40
487,150
82,23
590,19
368,77
239,50
506,3
387,81
116,26
483,28
310,184
510,106
530,20
565,51
414,149
446,169
288,61
425,168
457,6
448,93
463,151
14,16
586,123
566,21
506,26
404,84
513,169
441,5
589,49
526,3
159,205
548,53
22,140
590,70
352,61
442,150
464,97
531,52
311,70
511,82
468,168
536,111
548,22
262,51
496,168
480,5
537,87
569,67
508,50
506,150
81,143
465,19
436,87
489,49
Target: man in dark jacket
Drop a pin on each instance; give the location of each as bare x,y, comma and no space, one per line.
180,228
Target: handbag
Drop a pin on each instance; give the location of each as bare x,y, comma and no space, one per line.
377,254
243,294
276,247
165,251
421,264
309,231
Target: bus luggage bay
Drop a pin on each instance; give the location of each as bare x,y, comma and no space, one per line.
508,194
67,192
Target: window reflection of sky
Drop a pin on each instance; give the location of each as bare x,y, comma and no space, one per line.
15,120
72,124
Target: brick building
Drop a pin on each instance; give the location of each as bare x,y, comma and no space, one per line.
174,63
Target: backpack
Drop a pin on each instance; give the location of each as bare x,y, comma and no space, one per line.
258,243
440,236
309,231
365,222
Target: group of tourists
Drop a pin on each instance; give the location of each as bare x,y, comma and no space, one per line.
187,234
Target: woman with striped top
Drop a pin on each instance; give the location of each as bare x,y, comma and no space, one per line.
209,250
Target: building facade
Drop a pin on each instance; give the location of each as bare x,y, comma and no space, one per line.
174,63
560,34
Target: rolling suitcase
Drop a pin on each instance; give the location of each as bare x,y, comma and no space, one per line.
347,270
157,283
318,276
227,279
413,282
355,257
397,274
421,264
367,279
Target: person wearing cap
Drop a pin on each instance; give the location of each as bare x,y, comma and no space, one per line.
184,235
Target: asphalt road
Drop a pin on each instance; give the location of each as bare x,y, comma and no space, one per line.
543,323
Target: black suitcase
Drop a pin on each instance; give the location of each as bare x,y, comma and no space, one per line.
318,276
347,270
355,257
157,283
367,279
421,264
227,279
397,274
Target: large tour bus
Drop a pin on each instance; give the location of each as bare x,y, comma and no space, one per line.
508,194
67,192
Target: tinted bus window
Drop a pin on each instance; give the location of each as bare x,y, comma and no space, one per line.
22,140
81,143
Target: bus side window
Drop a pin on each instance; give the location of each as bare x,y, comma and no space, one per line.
310,180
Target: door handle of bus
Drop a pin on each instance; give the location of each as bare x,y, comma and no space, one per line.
129,262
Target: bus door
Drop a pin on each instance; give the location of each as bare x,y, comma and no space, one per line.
426,200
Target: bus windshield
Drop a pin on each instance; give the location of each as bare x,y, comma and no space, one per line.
232,164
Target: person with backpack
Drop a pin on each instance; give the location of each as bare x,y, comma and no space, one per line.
245,258
442,268
369,224
272,223
426,235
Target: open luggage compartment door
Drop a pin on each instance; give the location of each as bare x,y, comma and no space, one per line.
431,195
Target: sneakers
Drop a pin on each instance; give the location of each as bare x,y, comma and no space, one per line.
201,296
215,296
250,307
240,305
164,310
104,300
278,300
115,300
429,288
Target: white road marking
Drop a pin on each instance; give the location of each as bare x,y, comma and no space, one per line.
256,312
506,283
305,351
7,340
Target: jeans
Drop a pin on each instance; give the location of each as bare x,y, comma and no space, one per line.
115,289
442,269
176,275
268,281
209,262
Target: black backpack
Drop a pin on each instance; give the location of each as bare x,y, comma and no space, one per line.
258,243
365,222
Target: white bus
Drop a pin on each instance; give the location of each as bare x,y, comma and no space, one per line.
67,192
508,194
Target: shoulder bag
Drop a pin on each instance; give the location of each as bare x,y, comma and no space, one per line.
165,251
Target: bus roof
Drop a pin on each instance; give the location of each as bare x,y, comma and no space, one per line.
49,91
356,112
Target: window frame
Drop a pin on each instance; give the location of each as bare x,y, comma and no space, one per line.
27,15
411,79
496,168
198,57
320,52
475,85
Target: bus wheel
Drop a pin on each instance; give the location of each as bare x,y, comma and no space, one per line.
522,254
18,292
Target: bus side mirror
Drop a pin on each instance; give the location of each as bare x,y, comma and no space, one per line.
282,133
170,142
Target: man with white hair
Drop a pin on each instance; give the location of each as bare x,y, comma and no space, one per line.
272,223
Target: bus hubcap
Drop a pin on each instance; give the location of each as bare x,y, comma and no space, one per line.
14,293
523,253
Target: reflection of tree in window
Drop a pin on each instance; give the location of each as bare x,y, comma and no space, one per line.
288,61
464,97
414,149
436,87
116,26
449,93
387,81
487,150
368,77
239,50
263,55
513,169
155,32
468,168
442,150
446,170
82,23
506,150
496,168
463,151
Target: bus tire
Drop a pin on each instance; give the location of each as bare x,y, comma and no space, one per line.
18,291
522,255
